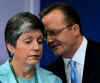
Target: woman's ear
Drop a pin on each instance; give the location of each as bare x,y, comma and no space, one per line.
11,48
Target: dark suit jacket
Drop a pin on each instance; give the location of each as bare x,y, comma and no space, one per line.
91,73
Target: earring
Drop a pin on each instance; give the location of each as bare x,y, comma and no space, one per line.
11,54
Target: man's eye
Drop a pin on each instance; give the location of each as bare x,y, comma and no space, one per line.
54,33
51,33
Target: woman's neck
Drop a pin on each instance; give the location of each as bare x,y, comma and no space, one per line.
22,70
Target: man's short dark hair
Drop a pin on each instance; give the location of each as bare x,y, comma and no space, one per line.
70,14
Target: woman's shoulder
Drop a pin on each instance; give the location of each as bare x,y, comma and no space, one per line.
48,76
4,68
4,72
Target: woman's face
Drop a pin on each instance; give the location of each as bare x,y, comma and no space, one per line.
29,47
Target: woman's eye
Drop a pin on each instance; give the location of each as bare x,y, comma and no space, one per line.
28,41
40,41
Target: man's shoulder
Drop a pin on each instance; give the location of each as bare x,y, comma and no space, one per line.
55,64
93,47
93,43
57,67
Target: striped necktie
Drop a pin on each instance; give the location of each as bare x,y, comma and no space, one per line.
74,75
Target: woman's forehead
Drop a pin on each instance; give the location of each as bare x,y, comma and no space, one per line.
34,33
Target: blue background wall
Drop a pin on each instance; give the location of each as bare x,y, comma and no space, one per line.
89,11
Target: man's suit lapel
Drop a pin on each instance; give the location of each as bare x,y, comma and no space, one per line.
90,64
61,69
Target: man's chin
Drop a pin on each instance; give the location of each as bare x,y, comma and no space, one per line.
58,53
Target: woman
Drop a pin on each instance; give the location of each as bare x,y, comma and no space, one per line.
24,36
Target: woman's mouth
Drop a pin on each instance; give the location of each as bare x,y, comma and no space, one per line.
34,57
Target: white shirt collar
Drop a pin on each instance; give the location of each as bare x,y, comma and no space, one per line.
79,55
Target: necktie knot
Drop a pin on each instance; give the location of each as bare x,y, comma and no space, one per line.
72,63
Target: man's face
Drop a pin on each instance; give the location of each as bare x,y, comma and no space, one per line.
61,36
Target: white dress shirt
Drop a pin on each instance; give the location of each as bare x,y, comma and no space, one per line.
79,58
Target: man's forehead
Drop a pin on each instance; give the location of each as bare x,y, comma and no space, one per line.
53,14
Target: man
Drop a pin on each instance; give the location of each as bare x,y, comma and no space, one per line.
65,38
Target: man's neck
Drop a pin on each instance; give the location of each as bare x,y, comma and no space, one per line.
75,48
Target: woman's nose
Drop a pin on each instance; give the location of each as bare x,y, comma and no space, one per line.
36,46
